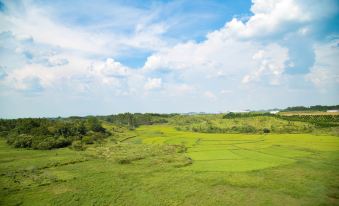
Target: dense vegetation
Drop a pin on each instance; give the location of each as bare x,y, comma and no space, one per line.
249,123
232,115
318,120
257,122
42,133
311,108
137,119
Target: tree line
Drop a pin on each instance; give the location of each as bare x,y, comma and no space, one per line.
133,120
43,133
311,108
49,133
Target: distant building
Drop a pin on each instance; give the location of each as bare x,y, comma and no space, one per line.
274,112
333,110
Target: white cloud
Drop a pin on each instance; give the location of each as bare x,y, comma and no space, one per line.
226,58
153,83
42,53
112,68
77,76
29,77
325,72
277,17
223,54
253,51
174,58
271,63
213,55
37,22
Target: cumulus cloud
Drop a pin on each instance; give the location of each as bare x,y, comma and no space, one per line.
278,17
276,41
78,76
112,68
291,23
325,72
271,61
30,76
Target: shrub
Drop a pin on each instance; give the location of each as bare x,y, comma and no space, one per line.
62,142
265,130
244,129
88,140
45,144
20,141
77,145
94,125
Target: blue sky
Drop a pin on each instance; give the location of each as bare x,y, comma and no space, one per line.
63,58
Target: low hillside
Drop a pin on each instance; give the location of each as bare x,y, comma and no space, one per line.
256,124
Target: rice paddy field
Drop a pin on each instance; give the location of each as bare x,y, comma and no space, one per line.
159,165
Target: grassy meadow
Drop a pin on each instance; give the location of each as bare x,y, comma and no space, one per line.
161,164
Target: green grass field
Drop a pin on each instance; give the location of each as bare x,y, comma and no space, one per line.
240,152
159,165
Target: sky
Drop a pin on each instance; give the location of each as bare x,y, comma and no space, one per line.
100,57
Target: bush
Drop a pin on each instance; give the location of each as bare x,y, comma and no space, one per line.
94,125
265,130
45,144
244,129
94,137
62,142
20,141
88,140
77,145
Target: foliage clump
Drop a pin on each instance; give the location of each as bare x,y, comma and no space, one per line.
44,134
266,130
247,123
77,145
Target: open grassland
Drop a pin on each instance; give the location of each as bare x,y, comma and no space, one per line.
159,165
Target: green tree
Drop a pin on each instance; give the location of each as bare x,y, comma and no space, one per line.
94,124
